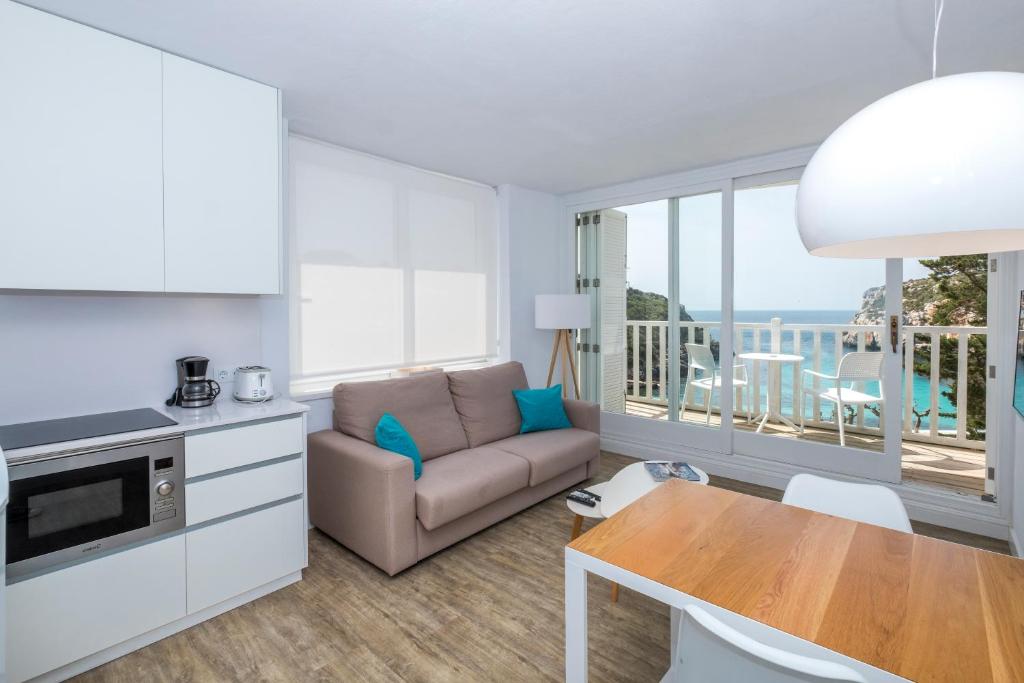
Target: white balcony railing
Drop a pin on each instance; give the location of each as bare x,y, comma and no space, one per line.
821,346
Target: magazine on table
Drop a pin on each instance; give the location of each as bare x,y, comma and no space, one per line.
663,470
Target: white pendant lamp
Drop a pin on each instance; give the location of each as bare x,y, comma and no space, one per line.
935,169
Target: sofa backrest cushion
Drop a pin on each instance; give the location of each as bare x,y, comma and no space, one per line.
422,403
484,401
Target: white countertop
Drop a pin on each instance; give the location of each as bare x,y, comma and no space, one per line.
222,412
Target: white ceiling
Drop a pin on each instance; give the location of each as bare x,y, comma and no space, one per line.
562,95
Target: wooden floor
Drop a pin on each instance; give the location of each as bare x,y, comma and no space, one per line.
487,609
958,469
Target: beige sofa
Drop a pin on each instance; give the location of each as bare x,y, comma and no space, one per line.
477,468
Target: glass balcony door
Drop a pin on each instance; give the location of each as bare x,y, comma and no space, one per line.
813,335
648,268
714,329
948,340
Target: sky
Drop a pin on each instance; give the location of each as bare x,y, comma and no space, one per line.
773,271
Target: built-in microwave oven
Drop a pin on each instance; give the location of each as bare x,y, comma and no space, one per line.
67,507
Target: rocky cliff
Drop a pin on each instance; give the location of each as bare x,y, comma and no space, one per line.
921,298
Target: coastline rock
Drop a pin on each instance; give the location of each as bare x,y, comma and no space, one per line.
921,299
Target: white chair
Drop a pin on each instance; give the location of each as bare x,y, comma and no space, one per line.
869,503
857,367
710,651
702,360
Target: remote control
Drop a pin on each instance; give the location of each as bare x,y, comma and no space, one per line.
582,499
590,493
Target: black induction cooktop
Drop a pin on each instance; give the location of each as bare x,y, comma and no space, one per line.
81,427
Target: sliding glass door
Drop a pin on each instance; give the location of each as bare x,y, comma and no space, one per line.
714,329
704,374
946,424
812,334
654,348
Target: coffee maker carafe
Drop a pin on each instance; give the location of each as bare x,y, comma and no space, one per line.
194,390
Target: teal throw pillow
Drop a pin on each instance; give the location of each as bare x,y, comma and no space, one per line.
541,409
391,436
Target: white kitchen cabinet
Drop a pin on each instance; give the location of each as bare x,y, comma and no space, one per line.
221,181
80,157
238,446
231,557
246,536
60,617
230,493
123,168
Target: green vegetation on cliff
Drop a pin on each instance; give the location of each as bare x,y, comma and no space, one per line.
954,293
642,305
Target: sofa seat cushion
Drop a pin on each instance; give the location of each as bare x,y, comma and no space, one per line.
462,482
484,401
422,403
550,453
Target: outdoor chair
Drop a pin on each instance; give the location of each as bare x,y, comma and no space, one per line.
857,368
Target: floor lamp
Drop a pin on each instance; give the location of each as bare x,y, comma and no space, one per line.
563,313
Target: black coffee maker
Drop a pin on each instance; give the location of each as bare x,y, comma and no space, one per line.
194,390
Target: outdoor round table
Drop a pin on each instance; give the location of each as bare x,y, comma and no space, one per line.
775,361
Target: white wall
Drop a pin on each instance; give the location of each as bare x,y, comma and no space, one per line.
67,354
1017,502
537,247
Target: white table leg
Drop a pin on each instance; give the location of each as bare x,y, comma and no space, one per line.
575,623
674,616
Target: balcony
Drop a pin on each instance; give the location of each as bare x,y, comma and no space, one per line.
938,447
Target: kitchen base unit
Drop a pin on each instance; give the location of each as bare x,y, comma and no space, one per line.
110,654
245,536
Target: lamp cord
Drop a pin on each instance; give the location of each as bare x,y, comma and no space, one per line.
935,36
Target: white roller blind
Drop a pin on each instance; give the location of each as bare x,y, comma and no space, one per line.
391,266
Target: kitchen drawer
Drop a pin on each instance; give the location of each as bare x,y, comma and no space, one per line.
239,446
60,617
240,554
230,493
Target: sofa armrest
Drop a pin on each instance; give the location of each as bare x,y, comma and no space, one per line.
364,497
583,414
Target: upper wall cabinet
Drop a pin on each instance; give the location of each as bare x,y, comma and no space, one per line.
221,181
123,168
80,157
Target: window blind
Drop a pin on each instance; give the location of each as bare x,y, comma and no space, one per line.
391,266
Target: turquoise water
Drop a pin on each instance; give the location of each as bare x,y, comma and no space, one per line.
922,389
1018,385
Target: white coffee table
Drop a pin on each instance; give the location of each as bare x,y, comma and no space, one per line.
582,511
775,361
631,483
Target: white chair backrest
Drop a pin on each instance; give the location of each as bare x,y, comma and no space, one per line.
869,503
700,357
710,651
861,365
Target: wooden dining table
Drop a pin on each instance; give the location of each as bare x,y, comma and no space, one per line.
892,605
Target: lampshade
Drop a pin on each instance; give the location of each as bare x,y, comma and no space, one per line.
935,169
562,311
